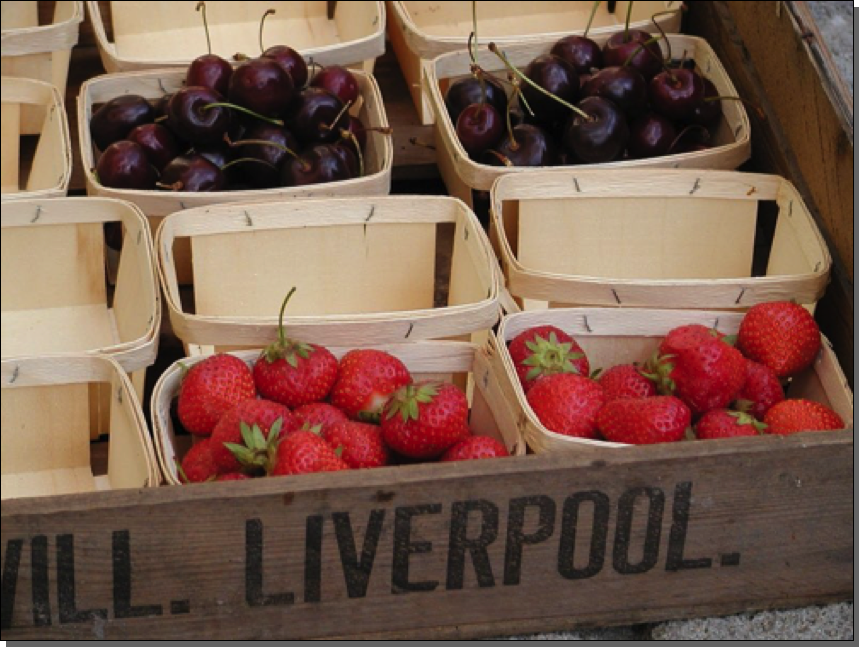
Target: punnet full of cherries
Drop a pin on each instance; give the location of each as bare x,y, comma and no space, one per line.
586,104
264,123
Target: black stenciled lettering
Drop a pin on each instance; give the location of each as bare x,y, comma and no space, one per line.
69,612
460,543
516,537
357,570
570,529
9,584
674,560
254,595
623,532
122,578
41,590
404,548
313,559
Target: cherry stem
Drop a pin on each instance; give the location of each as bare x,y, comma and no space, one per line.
339,115
686,131
258,142
522,99
348,134
514,145
644,47
626,26
501,157
220,104
760,113
269,12
591,19
281,334
247,159
201,6
176,186
494,49
158,120
659,27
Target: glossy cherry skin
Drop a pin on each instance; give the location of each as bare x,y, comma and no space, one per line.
558,77
115,119
650,135
620,46
311,117
356,127
218,154
676,94
479,127
210,71
160,105
346,150
268,174
707,113
465,91
192,173
624,86
581,52
316,165
602,137
534,147
263,86
338,81
157,142
188,117
291,61
124,165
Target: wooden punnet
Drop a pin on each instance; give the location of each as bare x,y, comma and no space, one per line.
38,51
731,143
375,270
46,433
420,31
36,163
137,36
663,238
611,336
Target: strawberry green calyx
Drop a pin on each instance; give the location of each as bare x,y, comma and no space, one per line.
744,418
658,369
257,453
549,356
405,401
286,349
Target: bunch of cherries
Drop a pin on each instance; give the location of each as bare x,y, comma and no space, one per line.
586,104
257,125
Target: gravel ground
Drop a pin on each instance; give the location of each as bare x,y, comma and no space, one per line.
835,20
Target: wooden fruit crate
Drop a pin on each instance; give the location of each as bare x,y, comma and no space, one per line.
611,336
58,297
366,271
40,165
47,413
421,31
666,239
460,363
461,174
137,36
38,51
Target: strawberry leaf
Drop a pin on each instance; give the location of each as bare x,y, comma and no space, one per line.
247,435
274,430
258,438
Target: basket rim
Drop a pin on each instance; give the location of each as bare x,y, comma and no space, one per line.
63,27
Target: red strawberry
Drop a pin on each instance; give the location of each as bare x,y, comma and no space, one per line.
361,442
252,413
197,465
424,420
545,350
760,391
721,423
210,389
567,404
367,379
233,476
318,414
474,448
781,335
793,416
626,381
292,372
303,452
662,419
699,368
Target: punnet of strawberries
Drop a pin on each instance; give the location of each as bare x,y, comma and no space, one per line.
299,410
699,384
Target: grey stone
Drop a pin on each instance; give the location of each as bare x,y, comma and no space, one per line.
611,633
835,21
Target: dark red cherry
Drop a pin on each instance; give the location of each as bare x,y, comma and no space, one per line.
192,173
479,127
707,113
558,77
355,127
291,61
272,154
218,154
312,116
465,91
316,165
263,86
533,146
210,71
124,165
580,51
346,150
621,45
338,81
190,116
602,137
624,86
650,135
157,142
676,94
115,119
